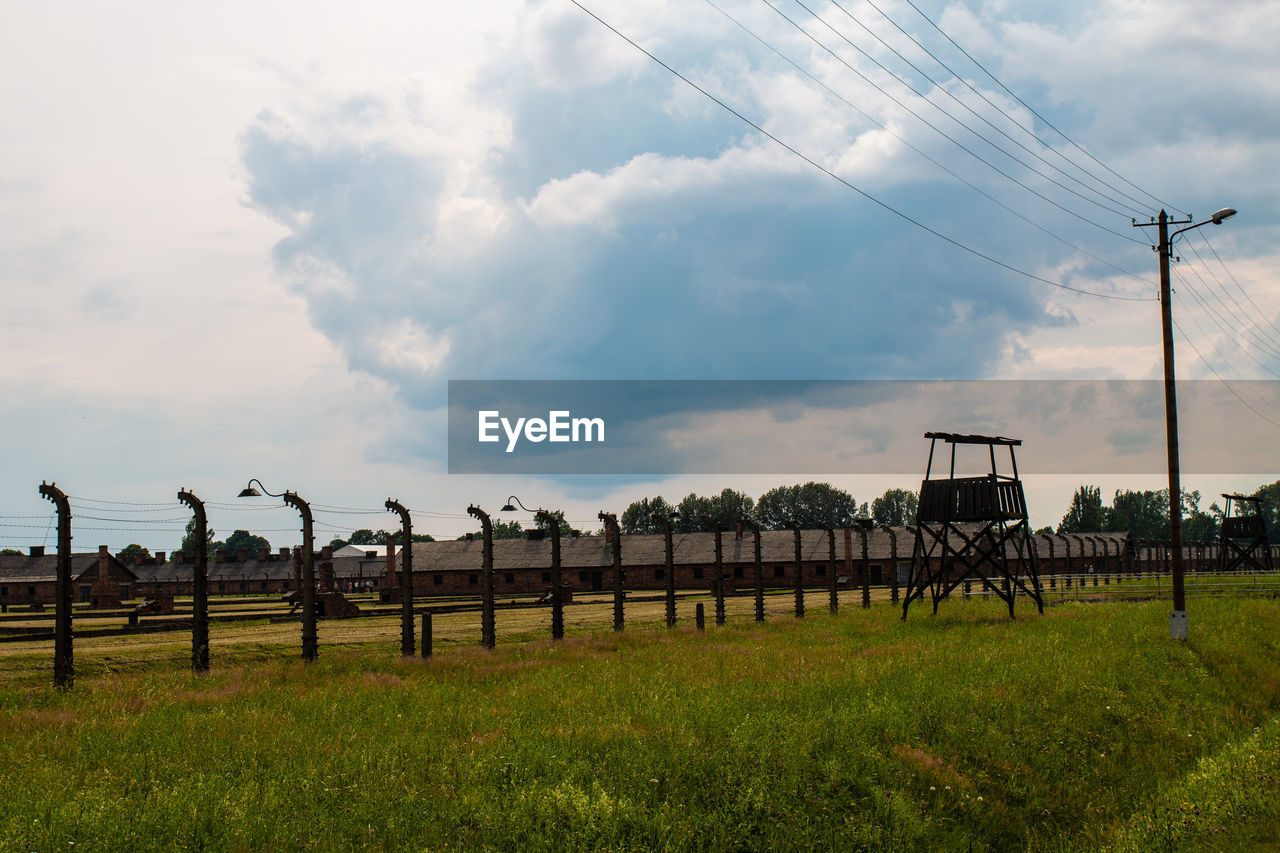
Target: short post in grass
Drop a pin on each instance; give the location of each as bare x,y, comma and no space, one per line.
893,564
864,525
63,658
670,571
199,583
757,576
406,576
832,587
965,594
614,536
699,617
488,633
717,577
426,635
795,529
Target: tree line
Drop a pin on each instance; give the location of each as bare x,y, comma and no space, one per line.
1145,514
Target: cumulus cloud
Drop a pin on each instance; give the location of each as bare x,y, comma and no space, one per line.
607,221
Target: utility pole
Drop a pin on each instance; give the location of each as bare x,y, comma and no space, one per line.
1177,619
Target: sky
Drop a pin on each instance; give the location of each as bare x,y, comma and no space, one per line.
258,241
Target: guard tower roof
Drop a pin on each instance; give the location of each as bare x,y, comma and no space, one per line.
956,438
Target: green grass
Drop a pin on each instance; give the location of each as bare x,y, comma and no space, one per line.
1083,729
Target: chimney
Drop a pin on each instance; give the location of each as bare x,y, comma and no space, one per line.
103,555
263,554
242,554
37,550
574,534
284,554
608,534
220,556
737,531
471,537
160,558
326,553
179,556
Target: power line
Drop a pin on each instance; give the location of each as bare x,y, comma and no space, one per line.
1222,327
927,100
1224,324
1231,275
966,149
1240,314
923,154
1032,110
1029,131
1216,375
861,192
981,117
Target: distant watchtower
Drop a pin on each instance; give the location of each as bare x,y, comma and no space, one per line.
973,527
1243,541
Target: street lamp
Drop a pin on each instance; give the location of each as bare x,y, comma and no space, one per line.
1177,619
557,603
310,646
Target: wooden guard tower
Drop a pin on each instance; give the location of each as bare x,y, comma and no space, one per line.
1243,541
973,528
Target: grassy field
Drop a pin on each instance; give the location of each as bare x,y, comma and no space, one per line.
1083,729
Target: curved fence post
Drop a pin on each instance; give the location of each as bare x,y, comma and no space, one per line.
406,576
488,635
64,671
199,583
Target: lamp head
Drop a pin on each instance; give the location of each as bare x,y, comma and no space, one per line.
507,508
249,492
1222,215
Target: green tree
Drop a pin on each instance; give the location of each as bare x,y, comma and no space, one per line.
1198,526
189,539
10,552
895,508
1086,514
365,536
558,515
1143,515
422,537
503,529
1270,495
243,540
727,508
638,517
129,552
809,505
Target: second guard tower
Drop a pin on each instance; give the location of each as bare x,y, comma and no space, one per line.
1243,541
973,528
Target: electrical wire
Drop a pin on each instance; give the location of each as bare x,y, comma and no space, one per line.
1205,237
979,116
967,127
1240,313
926,156
1030,109
966,149
1243,401
1222,325
1227,325
859,191
1029,131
